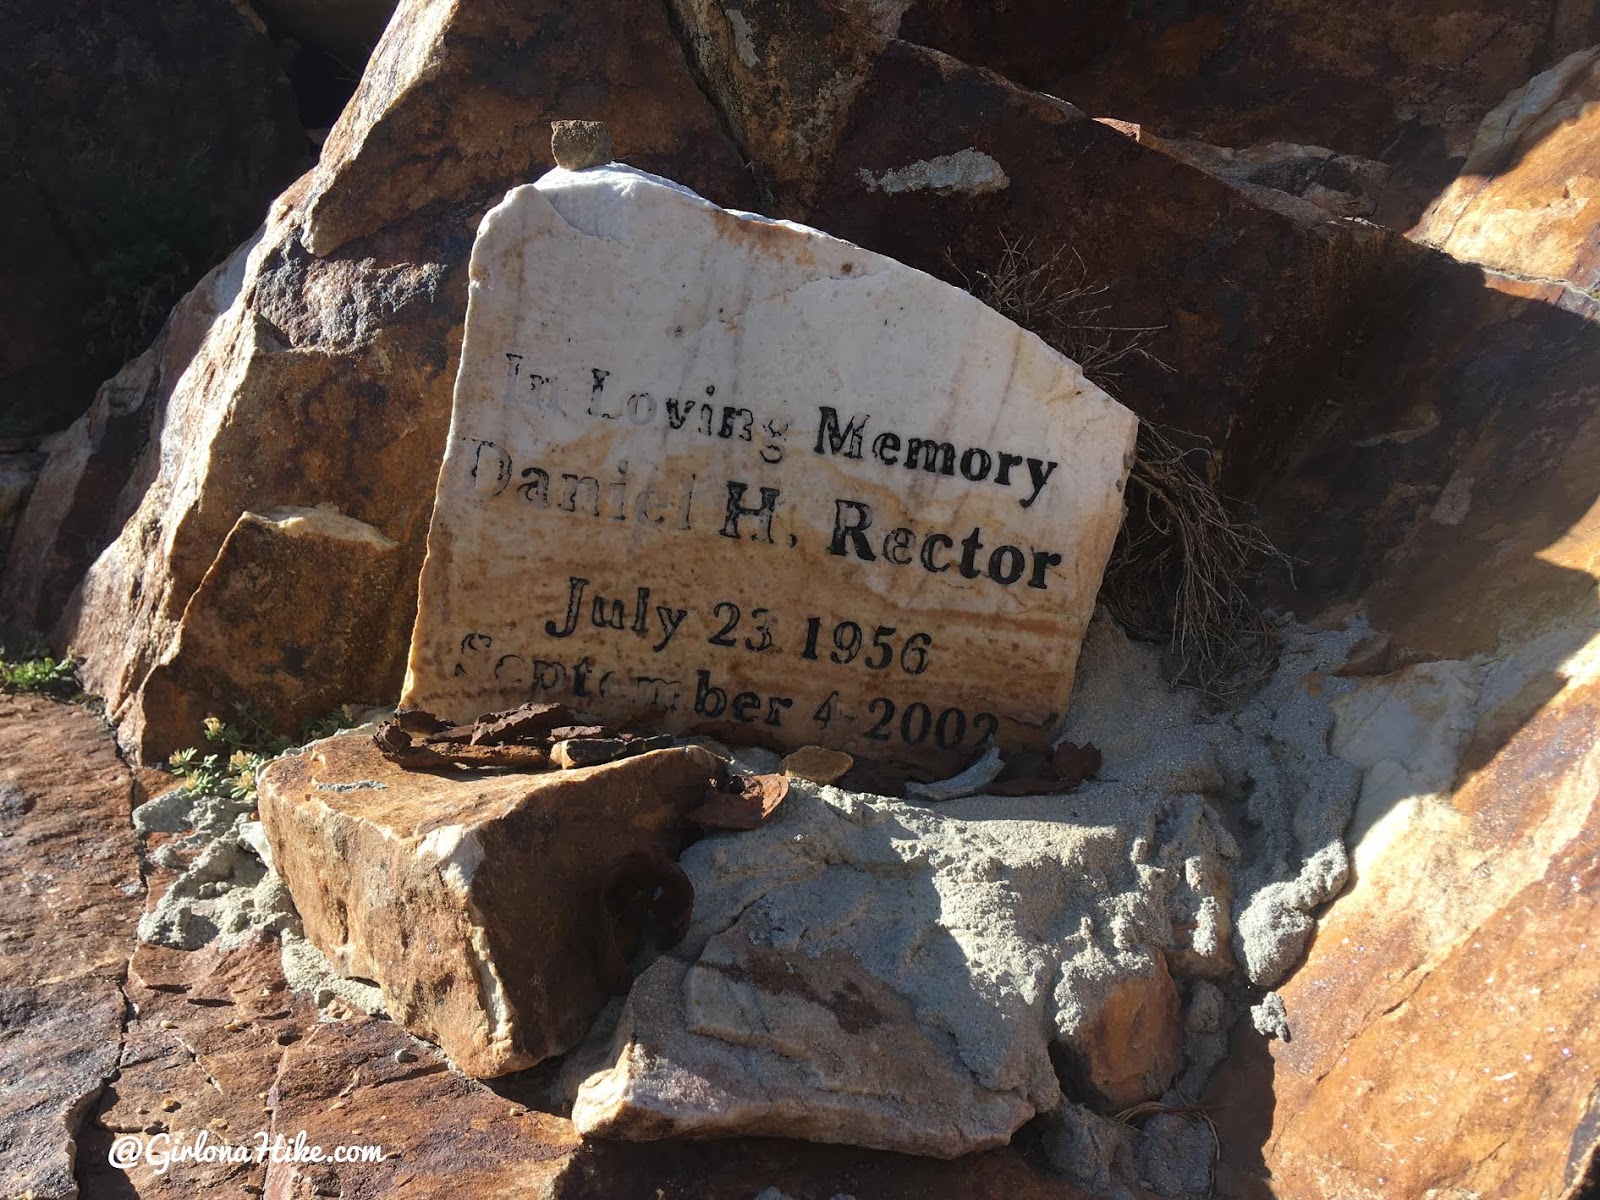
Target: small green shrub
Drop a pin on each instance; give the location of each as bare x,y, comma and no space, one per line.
250,744
34,670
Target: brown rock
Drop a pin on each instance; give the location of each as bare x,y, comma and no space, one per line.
1133,1049
137,145
201,1054
73,895
1401,81
577,145
817,763
439,1132
1443,1031
428,144
291,616
474,901
1238,358
415,134
1527,200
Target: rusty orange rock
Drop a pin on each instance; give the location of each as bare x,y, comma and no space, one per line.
477,902
1528,197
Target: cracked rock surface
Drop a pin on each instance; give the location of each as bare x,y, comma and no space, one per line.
71,893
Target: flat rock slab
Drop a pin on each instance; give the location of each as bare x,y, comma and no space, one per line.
760,477
477,902
72,895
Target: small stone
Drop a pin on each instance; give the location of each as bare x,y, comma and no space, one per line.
236,1026
588,752
170,1105
578,145
741,801
287,1038
1270,1017
403,1055
817,764
168,1025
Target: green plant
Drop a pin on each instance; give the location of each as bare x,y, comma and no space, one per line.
44,675
250,744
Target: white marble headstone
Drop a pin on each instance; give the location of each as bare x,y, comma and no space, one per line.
758,476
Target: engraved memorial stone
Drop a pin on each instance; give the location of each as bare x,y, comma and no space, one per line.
760,478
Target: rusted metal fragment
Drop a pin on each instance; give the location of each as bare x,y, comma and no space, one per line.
533,737
518,724
590,751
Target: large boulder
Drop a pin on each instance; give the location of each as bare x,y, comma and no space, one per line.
1404,82
325,376
291,615
138,144
1442,1033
